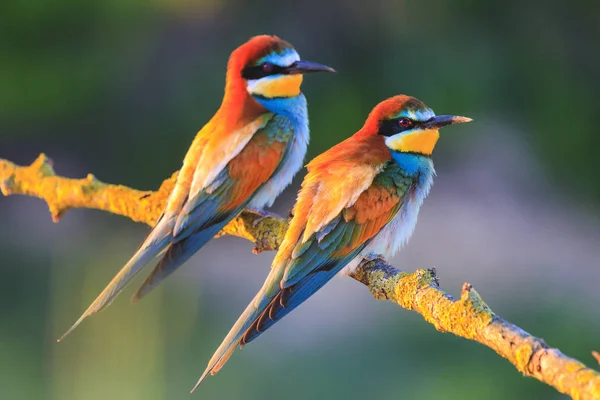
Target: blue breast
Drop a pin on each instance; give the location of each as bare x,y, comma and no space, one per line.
414,164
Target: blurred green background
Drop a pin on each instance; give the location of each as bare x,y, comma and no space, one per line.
119,88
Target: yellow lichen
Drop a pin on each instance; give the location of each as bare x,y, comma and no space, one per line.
523,355
61,194
382,287
408,285
419,291
468,317
585,376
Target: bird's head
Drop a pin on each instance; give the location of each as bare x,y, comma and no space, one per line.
269,68
408,125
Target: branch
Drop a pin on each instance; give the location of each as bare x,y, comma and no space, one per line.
62,194
468,317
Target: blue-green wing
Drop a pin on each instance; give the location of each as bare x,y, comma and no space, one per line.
311,264
314,262
202,217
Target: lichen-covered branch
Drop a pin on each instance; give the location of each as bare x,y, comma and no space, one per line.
468,317
62,194
471,318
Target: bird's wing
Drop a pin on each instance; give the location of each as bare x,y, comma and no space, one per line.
212,149
235,184
210,182
339,210
204,216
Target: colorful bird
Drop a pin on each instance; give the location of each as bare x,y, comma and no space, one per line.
359,198
243,157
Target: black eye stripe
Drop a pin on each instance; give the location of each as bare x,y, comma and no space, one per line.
390,127
257,71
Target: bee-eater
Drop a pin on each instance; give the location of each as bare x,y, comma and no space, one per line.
244,156
360,197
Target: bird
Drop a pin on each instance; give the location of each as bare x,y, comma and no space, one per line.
360,198
246,154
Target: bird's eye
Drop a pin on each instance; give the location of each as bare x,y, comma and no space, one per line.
267,68
405,122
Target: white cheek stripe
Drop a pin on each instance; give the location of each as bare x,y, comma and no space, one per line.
257,86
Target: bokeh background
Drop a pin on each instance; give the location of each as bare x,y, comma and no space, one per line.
120,87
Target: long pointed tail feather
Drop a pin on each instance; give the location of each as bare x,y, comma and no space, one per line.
175,256
154,244
269,305
232,340
255,318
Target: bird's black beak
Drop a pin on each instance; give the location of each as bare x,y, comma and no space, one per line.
443,120
304,67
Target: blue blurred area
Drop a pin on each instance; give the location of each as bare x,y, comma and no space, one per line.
119,88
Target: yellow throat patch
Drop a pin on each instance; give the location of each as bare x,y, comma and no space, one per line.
421,142
282,86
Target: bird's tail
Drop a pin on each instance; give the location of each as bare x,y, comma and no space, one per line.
175,255
270,304
230,342
257,307
156,242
